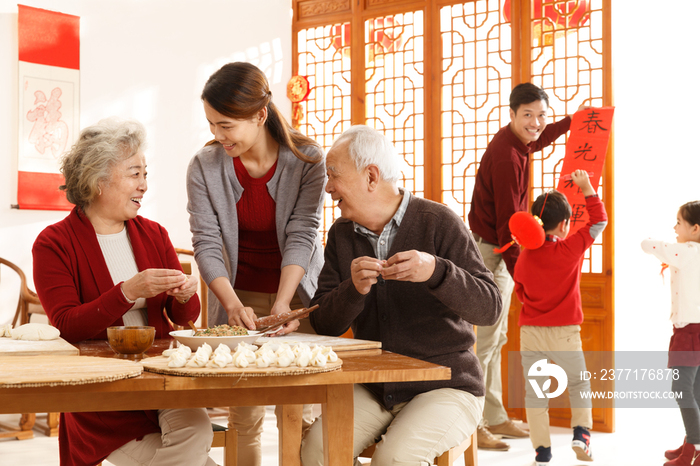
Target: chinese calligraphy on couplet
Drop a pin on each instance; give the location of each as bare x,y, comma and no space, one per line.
585,150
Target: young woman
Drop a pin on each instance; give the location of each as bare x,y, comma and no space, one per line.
255,201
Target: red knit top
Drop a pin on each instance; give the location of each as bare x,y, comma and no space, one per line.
259,255
547,279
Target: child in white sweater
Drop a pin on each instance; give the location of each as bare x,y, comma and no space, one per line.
683,260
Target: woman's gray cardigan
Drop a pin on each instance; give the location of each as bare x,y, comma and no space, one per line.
213,189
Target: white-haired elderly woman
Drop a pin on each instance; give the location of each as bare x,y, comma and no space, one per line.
104,265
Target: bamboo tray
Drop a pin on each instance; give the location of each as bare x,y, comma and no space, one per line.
159,364
53,370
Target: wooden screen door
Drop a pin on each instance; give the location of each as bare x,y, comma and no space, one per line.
435,76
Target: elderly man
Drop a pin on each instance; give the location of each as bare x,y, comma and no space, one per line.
404,271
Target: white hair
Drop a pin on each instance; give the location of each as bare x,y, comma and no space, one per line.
368,146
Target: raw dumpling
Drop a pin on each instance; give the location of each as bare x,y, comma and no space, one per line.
220,359
201,356
35,332
266,359
177,359
6,330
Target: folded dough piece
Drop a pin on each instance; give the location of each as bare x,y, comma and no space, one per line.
243,357
35,332
201,357
220,359
266,359
222,349
177,359
6,331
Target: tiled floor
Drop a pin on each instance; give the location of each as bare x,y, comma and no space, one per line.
641,437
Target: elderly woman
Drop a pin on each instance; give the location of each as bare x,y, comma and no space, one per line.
104,265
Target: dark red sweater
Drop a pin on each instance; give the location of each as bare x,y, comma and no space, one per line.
259,256
547,279
501,186
80,299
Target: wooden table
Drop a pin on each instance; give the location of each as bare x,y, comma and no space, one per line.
333,390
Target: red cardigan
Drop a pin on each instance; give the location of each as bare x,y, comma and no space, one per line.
80,299
547,279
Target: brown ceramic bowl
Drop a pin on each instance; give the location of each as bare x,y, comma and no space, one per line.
130,342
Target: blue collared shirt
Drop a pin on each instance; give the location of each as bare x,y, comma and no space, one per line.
382,243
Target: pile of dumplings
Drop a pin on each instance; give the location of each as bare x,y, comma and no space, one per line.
271,354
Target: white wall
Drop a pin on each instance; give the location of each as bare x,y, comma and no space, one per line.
657,162
148,60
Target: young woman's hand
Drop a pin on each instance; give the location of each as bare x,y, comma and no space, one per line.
289,327
242,316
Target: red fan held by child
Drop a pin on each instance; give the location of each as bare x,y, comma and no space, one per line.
526,230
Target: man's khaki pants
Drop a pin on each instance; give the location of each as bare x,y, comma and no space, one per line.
490,339
412,433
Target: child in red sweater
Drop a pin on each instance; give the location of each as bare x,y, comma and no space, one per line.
547,283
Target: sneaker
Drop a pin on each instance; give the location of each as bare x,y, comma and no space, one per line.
581,444
673,454
509,429
544,456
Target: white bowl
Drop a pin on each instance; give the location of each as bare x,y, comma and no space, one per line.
185,337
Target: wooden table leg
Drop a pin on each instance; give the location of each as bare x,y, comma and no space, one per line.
290,435
50,427
23,432
338,425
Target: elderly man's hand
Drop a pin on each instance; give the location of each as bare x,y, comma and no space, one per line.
365,271
409,266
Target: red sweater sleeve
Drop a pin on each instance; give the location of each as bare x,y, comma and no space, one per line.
76,290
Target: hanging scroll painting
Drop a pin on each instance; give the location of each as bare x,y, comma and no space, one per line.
49,104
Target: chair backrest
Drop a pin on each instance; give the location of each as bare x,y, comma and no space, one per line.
203,288
28,302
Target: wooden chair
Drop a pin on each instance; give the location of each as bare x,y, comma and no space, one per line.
227,438
28,304
203,288
467,448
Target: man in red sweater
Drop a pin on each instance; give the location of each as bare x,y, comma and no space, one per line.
547,283
501,189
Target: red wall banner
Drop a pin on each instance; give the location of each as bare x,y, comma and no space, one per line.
585,150
49,80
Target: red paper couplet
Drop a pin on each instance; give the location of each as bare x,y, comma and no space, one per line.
585,150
